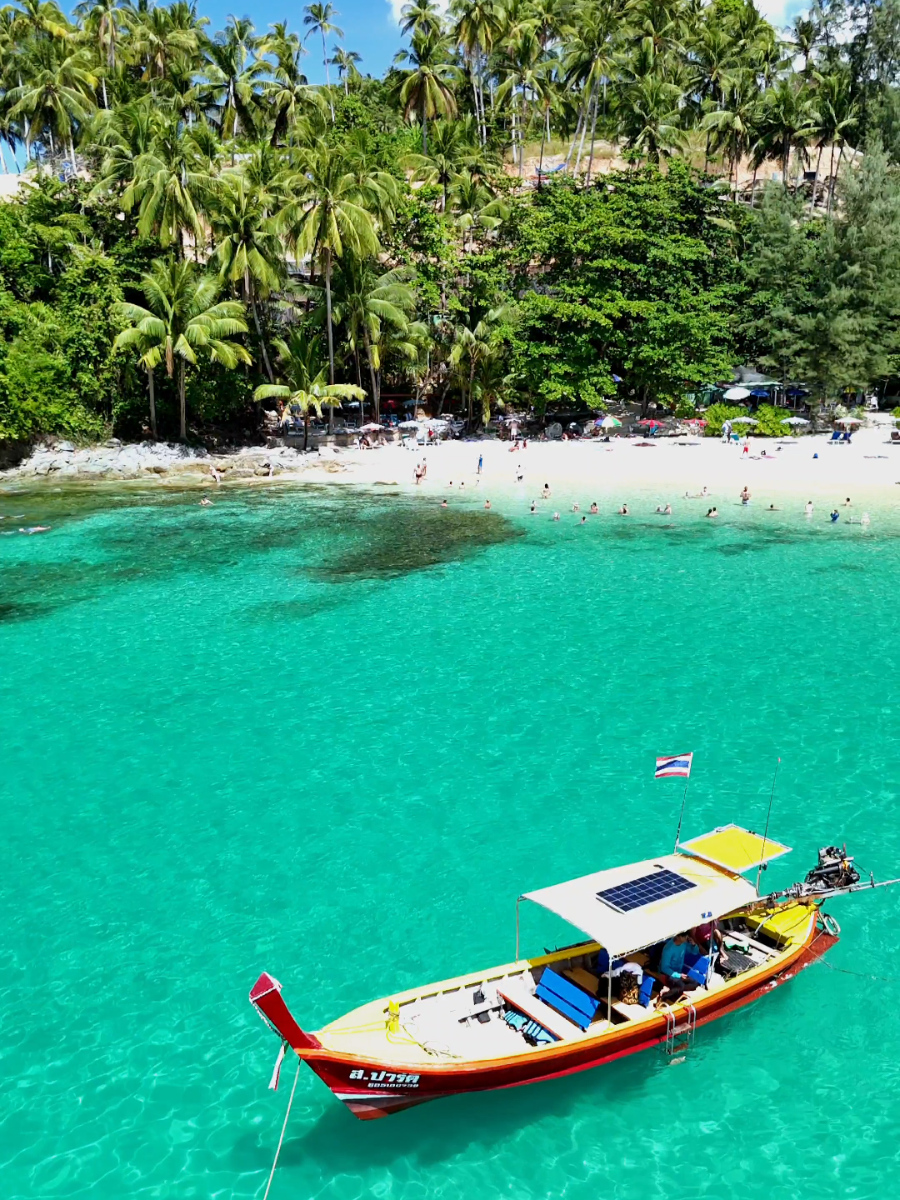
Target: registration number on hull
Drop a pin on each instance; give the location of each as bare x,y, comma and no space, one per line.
384,1079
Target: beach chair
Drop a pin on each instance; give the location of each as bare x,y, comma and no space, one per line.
566,998
895,435
835,437
845,438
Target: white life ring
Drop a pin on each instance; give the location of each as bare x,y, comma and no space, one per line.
831,925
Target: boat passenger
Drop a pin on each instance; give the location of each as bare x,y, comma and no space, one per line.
708,939
671,972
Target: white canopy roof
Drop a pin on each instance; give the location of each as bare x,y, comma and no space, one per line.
628,920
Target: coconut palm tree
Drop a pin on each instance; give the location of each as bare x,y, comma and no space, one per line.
732,129
649,117
345,61
428,83
234,76
160,36
101,24
477,25
172,184
300,366
57,94
446,157
368,302
249,252
320,19
326,218
183,320
476,345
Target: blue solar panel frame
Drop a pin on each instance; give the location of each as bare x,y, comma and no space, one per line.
646,889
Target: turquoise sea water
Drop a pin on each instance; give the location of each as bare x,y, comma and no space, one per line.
334,737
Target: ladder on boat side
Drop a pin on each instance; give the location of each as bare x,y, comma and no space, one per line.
680,1038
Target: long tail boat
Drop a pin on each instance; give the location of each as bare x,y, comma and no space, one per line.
566,1011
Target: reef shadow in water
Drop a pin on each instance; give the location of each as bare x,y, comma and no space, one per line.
399,541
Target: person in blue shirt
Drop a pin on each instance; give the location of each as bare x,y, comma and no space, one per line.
671,972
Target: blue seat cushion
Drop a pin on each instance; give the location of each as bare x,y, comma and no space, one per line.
700,970
567,998
646,990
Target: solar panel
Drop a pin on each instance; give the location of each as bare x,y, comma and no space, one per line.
647,889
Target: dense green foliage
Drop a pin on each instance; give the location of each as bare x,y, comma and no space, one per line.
194,208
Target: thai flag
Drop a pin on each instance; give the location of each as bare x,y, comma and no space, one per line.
674,764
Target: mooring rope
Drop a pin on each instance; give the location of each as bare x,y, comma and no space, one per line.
860,974
283,1128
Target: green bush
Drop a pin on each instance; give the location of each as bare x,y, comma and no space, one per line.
717,414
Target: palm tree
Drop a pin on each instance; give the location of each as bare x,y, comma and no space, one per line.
650,117
326,217
319,17
447,155
427,90
172,184
345,61
101,23
159,36
421,18
57,93
477,25
369,302
249,251
183,319
301,368
290,97
837,118
787,122
476,345
732,128
234,75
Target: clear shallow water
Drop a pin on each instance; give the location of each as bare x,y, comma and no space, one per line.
335,737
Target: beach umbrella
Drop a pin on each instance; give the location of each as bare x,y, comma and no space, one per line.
795,421
610,423
617,378
737,393
743,420
848,421
409,425
370,427
651,424
759,394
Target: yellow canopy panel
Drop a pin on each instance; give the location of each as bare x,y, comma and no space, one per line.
734,849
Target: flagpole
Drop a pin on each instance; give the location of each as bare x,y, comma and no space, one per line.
681,815
762,851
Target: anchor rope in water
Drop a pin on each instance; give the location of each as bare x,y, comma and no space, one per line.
860,974
283,1128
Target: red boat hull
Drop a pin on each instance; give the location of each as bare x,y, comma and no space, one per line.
371,1089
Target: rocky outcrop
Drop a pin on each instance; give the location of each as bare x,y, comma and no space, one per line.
148,460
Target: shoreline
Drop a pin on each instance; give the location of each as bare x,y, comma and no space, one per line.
665,470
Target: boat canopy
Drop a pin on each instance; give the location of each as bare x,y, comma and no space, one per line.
734,849
628,908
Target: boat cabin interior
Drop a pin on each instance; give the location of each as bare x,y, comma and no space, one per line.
567,994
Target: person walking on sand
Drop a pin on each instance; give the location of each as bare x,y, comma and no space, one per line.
726,431
480,463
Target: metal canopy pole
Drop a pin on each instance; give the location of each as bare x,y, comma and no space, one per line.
518,902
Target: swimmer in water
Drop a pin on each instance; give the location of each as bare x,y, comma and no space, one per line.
594,508
443,504
533,506
745,495
713,512
545,492
487,504
34,529
864,519
556,516
584,520
835,515
575,507
206,502
623,511
809,508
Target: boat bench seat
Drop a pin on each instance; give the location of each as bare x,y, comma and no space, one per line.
567,998
514,992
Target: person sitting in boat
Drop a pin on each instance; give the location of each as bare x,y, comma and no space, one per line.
671,973
708,940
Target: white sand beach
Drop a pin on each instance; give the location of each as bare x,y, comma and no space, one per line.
625,470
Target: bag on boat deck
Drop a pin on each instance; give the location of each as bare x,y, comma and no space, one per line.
629,991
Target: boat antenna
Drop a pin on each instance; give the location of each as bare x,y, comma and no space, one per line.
762,852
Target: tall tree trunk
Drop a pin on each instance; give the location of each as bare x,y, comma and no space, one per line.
424,125
103,91
152,390
182,402
815,190
306,428
327,80
831,180
248,293
72,151
574,137
584,126
3,160
330,332
541,159
593,132
837,171
753,189
376,399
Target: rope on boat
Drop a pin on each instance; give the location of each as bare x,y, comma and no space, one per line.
283,1128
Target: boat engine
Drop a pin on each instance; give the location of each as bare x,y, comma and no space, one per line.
835,870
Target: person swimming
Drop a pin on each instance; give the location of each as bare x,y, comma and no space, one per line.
556,516
835,515
206,502
534,506
594,508
443,504
623,511
34,529
545,492
712,512
487,504
809,508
